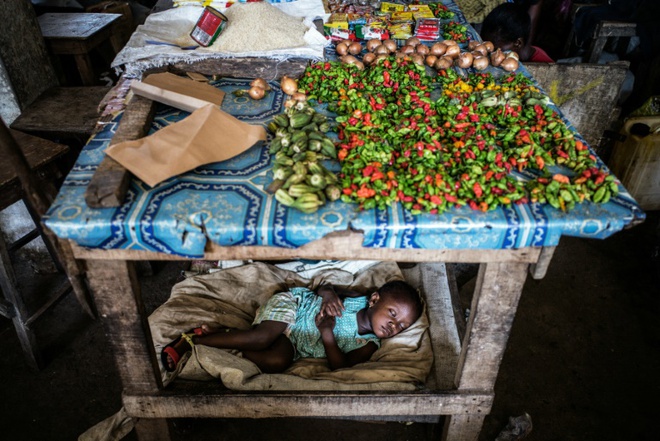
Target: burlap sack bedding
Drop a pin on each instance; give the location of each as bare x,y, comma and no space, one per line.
230,298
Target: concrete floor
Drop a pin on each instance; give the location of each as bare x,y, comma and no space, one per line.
583,358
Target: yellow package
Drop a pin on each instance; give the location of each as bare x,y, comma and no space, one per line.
391,7
337,20
400,31
418,15
399,16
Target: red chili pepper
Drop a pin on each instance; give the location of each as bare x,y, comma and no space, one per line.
477,189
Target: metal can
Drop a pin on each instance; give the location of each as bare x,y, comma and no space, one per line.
210,24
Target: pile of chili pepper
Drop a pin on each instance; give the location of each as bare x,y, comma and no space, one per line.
396,144
455,31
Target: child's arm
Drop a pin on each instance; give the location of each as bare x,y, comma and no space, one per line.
332,295
336,358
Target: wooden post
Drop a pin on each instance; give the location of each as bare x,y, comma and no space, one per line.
539,269
117,295
494,304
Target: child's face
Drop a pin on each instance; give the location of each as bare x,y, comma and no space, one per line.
389,316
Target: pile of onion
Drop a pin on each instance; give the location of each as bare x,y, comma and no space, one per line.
479,55
258,88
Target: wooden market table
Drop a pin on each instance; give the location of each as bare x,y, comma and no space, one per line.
211,206
220,212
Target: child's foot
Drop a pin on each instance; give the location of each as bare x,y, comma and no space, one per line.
173,352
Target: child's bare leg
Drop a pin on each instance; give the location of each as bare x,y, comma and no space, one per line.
259,338
276,358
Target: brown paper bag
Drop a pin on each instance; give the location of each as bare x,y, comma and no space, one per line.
207,135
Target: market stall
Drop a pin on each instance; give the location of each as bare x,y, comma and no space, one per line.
228,210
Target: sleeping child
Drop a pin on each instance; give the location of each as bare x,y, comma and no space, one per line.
341,325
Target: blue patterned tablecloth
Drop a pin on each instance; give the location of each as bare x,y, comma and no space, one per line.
226,203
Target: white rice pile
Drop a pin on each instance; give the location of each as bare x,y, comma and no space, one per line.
258,27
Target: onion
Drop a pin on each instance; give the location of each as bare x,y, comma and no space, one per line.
368,58
381,50
355,48
509,64
299,96
288,85
482,49
398,55
512,54
472,44
450,43
453,51
438,49
418,59
480,62
359,64
260,82
497,57
256,92
465,60
348,59
489,45
341,49
373,44
430,60
390,45
413,41
422,49
443,63
407,49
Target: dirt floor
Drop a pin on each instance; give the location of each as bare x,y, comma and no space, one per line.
582,361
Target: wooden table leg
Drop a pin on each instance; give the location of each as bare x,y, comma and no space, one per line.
148,429
494,305
84,64
119,302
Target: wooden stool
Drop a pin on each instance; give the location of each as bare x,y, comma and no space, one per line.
25,159
605,30
77,34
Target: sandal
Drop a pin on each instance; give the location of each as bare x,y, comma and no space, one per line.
173,354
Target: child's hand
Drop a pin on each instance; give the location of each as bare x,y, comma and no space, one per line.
331,305
324,323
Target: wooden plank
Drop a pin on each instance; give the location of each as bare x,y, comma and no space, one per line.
200,404
340,245
109,183
267,68
119,302
615,29
494,304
